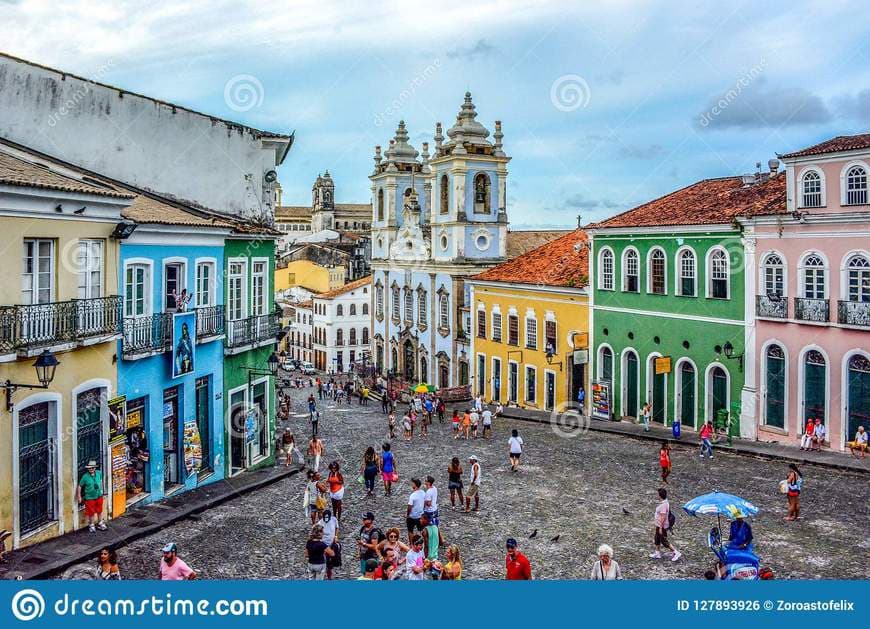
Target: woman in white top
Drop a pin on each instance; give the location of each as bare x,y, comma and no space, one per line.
516,449
605,569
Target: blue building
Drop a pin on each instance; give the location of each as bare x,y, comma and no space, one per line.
435,222
170,366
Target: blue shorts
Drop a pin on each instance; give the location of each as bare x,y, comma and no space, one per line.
433,517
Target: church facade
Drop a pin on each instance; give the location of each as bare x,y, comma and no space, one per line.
436,220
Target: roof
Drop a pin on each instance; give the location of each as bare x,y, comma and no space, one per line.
557,263
292,211
520,242
835,145
230,123
707,202
15,171
306,305
305,211
354,208
346,288
152,210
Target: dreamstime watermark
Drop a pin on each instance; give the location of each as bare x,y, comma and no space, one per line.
407,93
73,100
243,93
567,420
732,94
28,605
570,92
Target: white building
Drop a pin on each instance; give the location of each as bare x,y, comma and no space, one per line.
342,327
142,141
300,337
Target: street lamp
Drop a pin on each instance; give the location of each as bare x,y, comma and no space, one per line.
272,364
45,365
728,350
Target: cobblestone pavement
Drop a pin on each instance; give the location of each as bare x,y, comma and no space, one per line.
589,489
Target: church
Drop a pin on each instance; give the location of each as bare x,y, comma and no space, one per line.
437,219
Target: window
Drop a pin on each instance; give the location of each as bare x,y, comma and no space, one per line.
409,306
774,275
339,310
445,194
37,279
481,323
687,273
814,277
859,279
352,312
443,312
236,291
630,275
352,335
513,329
395,303
203,421
496,327
90,263
380,204
379,302
365,308
657,272
173,284
260,294
481,194
550,337
718,265
422,312
37,482
531,333
136,294
339,337
204,284
606,277
481,374
365,336
811,190
531,382
856,186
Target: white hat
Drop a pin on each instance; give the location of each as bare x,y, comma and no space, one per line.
472,458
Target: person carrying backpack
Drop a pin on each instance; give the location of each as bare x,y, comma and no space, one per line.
664,522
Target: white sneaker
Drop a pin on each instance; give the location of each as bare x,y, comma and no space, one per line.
677,555
102,526
655,555
92,528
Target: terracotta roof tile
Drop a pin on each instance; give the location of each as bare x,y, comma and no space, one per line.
341,290
15,171
520,242
835,145
707,202
558,263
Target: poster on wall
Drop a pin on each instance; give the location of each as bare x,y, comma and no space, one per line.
183,346
601,403
117,418
119,478
251,426
192,447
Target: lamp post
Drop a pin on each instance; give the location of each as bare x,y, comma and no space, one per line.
272,364
45,365
728,350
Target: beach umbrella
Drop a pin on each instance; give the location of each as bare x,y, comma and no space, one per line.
719,503
422,388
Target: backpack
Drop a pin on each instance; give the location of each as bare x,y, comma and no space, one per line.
672,520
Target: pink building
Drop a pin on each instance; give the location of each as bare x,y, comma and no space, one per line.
808,298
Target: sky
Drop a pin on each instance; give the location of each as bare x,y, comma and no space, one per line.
604,105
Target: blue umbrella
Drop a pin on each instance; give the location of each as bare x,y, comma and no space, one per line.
719,503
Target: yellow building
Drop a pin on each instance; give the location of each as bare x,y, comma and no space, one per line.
309,275
58,298
530,327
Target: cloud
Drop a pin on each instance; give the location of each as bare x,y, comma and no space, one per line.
650,151
855,107
614,77
578,201
481,48
760,107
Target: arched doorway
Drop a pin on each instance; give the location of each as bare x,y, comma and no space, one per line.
630,374
858,394
658,391
424,370
605,369
815,386
394,360
408,355
717,391
686,379
443,376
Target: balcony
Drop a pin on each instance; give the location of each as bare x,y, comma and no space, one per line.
210,322
28,328
816,310
145,336
244,334
854,313
771,306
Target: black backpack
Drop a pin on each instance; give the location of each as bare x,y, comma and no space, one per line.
672,520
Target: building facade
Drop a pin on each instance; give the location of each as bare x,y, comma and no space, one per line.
324,213
808,282
530,331
435,223
341,327
300,338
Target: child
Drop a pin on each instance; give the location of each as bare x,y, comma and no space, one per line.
455,424
466,424
665,461
391,424
406,425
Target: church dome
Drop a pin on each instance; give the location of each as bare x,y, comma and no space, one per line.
400,151
467,130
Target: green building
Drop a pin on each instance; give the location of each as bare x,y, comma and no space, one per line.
253,323
668,284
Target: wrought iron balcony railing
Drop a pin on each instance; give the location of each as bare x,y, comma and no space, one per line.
30,326
818,310
147,335
772,306
210,321
253,330
854,313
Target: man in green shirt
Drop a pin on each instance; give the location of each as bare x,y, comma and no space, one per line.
90,492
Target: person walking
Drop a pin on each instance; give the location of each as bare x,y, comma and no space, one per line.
90,493
315,452
454,482
315,422
466,424
473,486
645,415
794,485
475,422
316,552
385,403
367,541
172,568
665,461
486,417
517,566
329,524
605,569
369,470
416,503
107,566
388,468
336,488
391,425
432,539
440,408
515,447
581,400
455,421
315,496
430,500
705,434
664,519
